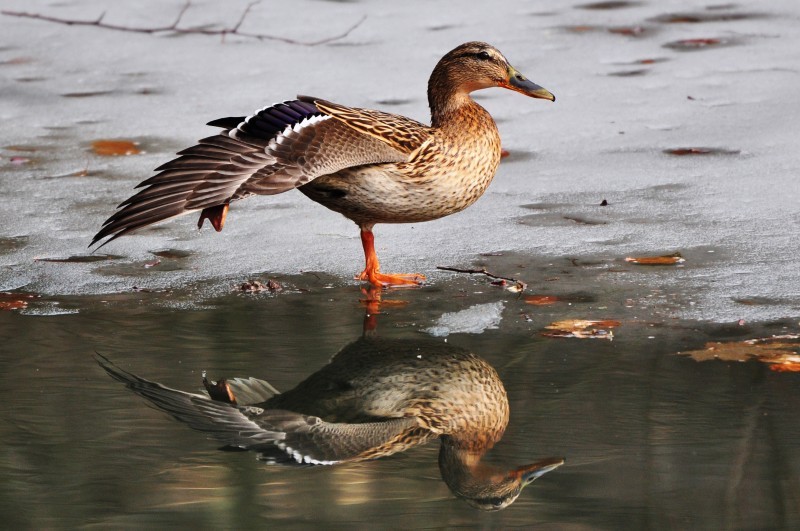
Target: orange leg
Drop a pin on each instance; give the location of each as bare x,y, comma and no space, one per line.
372,269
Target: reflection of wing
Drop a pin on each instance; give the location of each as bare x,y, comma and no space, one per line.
225,422
311,440
276,149
281,436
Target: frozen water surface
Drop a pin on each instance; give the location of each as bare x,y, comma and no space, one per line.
624,97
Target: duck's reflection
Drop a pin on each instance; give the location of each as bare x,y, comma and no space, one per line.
376,397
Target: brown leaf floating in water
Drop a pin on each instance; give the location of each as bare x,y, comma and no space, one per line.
782,352
254,286
582,329
15,301
541,300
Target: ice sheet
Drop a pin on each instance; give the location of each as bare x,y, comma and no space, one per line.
624,96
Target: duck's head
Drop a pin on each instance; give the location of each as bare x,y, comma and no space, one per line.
487,487
474,66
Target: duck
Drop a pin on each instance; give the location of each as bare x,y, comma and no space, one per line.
376,397
370,166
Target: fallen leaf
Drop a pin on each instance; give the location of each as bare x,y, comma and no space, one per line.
114,148
582,329
781,352
670,259
517,287
785,367
17,61
632,31
254,286
541,300
274,286
580,28
15,301
693,44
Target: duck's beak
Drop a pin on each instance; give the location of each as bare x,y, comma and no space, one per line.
522,84
531,472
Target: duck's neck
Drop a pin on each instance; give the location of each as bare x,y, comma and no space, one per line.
447,105
448,96
466,475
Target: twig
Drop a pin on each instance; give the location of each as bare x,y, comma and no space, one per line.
98,22
244,14
518,284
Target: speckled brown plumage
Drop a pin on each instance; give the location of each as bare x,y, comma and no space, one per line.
375,398
370,166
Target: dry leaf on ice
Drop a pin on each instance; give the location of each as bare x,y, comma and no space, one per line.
670,259
114,148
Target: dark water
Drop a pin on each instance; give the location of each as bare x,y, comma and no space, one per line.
651,439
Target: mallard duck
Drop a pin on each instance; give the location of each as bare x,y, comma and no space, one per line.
375,398
370,166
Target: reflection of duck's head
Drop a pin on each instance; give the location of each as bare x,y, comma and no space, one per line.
375,398
484,486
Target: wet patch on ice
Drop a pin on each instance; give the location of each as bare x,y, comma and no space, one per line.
80,259
474,320
704,43
684,151
560,214
87,94
605,6
629,73
626,31
705,16
394,101
10,244
172,254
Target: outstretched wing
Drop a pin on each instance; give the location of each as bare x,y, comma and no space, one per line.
280,436
226,422
276,149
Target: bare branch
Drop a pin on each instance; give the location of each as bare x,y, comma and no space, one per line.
518,284
244,14
98,22
181,12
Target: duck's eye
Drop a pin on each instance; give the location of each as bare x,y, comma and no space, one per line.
483,56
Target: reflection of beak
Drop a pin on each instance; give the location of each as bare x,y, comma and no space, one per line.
531,472
522,84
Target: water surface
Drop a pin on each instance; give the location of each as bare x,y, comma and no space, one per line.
651,438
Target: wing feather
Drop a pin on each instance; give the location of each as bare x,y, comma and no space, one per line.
276,149
281,436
